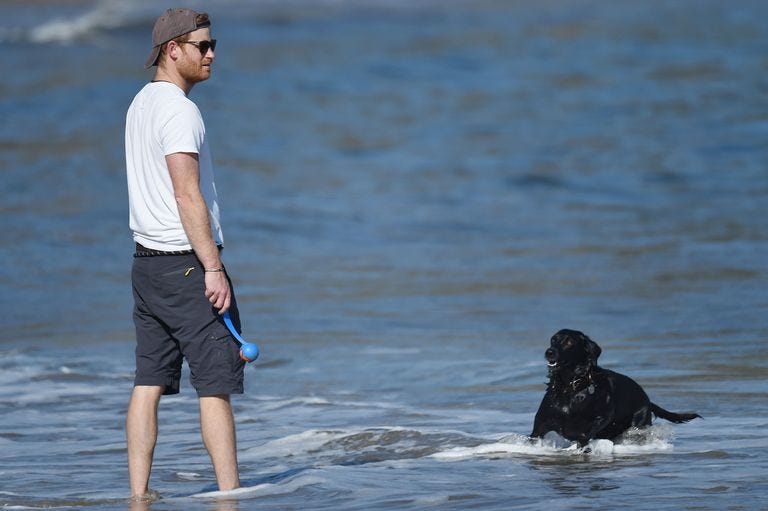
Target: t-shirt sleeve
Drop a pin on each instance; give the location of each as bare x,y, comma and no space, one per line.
184,130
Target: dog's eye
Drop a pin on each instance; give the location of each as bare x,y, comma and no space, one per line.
568,344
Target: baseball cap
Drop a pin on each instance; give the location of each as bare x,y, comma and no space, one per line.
170,25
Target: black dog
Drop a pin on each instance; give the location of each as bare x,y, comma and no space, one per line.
584,401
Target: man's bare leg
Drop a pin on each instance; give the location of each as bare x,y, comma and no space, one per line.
141,436
217,425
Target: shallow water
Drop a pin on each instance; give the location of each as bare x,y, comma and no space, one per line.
416,196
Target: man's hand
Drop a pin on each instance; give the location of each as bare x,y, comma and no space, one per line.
217,290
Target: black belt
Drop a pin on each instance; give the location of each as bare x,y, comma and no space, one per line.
142,251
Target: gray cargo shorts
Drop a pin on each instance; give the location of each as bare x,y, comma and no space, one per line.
175,321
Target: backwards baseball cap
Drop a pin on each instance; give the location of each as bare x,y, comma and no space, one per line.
172,24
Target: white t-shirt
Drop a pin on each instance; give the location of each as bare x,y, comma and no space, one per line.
161,121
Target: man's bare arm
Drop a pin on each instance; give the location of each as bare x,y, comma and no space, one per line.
185,176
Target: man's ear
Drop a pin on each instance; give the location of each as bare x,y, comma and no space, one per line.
172,48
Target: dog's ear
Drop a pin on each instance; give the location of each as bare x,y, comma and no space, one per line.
593,350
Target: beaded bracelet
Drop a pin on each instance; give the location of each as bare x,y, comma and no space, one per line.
212,270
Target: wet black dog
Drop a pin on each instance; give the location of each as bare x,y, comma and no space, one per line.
584,401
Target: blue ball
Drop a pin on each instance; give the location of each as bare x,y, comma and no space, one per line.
249,352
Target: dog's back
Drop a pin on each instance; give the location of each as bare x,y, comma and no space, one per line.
634,408
630,404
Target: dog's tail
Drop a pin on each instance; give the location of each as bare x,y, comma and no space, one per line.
677,418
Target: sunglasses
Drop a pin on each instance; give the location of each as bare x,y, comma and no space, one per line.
203,46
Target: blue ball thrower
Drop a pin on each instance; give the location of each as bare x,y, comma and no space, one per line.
248,351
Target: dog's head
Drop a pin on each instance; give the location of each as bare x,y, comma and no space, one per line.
571,351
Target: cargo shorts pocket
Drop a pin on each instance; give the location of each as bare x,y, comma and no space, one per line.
218,368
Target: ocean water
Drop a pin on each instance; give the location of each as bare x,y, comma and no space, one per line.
416,196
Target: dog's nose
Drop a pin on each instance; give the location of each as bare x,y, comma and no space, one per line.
550,355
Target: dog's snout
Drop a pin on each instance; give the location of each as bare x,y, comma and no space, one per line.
550,355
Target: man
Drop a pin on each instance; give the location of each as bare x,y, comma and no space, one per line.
180,286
